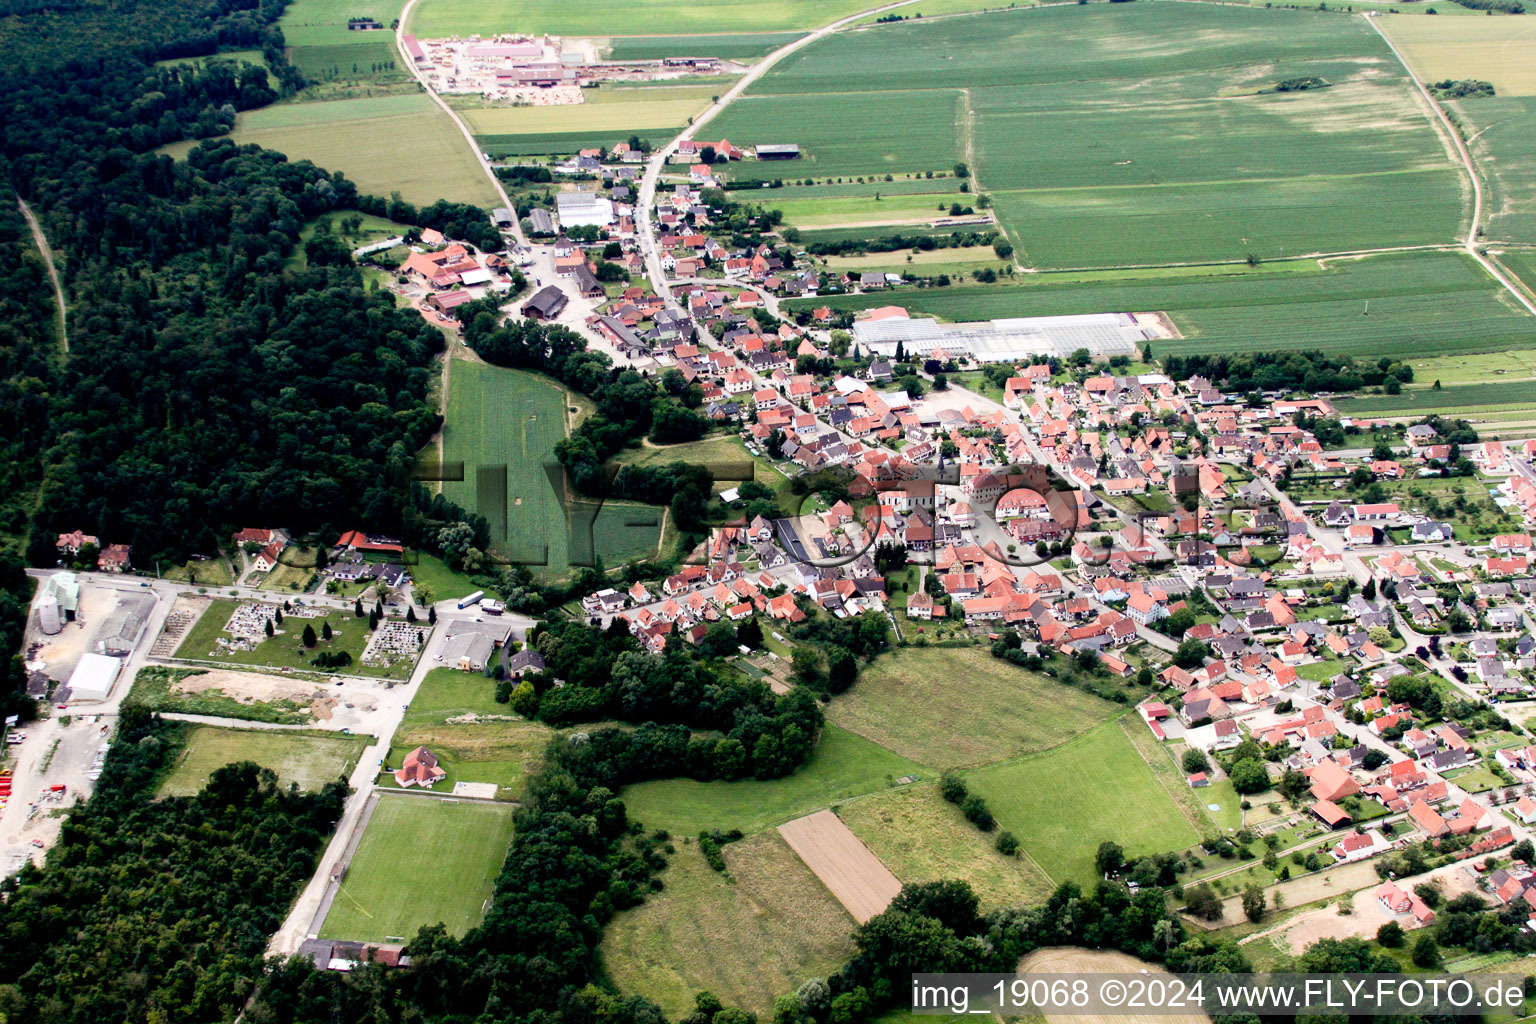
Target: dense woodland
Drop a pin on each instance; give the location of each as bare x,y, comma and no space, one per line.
158,910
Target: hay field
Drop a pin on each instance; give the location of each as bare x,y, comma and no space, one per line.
749,936
310,758
960,706
385,144
648,109
421,861
842,768
1073,960
1500,50
853,874
923,839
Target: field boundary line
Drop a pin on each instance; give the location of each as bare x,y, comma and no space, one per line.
474,147
1173,799
46,252
1467,165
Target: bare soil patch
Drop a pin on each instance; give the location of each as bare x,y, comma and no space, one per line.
843,863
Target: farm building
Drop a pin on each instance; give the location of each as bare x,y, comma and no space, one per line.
120,633
446,302
501,217
778,151
1011,340
582,209
546,303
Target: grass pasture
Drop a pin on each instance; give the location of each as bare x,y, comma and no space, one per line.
748,936
497,747
1116,135
923,839
507,418
863,210
949,707
1064,802
382,899
843,767
337,61
385,144
309,757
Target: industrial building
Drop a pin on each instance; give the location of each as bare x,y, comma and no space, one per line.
579,209
92,679
121,632
1010,340
57,602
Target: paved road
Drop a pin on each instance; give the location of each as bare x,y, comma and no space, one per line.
647,194
469,136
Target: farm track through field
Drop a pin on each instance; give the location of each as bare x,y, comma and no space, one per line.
1472,172
44,250
474,147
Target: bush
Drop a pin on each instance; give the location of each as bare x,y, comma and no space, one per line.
1007,843
977,813
1391,935
1195,761
952,787
1426,953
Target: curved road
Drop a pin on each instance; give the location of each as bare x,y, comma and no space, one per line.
658,160
41,240
469,136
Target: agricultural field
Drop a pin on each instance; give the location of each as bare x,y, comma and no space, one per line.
843,767
850,133
601,18
508,418
310,758
1522,264
382,899
385,144
337,61
1462,400
868,210
725,45
1502,133
923,839
617,111
923,261
1494,49
1106,132
1440,302
475,739
749,935
949,707
1064,802
285,651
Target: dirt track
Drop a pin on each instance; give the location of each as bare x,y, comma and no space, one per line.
844,864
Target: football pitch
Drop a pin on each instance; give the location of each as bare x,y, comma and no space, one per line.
421,861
